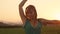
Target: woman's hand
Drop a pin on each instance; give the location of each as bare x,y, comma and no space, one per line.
22,3
24,0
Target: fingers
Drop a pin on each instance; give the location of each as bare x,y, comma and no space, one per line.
24,0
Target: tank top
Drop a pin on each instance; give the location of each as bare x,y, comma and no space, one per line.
31,30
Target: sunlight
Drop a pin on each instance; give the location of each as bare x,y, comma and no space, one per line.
57,16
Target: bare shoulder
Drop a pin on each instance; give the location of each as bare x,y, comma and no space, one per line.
24,20
39,20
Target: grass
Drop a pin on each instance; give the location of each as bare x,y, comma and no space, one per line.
45,30
51,30
11,31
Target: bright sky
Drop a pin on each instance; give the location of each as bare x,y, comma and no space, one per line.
48,9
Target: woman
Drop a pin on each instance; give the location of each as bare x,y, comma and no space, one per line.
30,21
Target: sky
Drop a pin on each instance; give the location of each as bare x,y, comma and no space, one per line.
47,9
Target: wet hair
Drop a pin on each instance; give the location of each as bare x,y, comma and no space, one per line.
29,8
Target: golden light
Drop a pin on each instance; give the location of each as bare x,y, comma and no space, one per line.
47,9
57,15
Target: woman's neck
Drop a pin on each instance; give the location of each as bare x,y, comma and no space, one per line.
34,23
33,20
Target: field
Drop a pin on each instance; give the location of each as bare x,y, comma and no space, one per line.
45,30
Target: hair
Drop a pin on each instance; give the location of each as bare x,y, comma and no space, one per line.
29,8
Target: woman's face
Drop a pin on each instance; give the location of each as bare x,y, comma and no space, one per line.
31,14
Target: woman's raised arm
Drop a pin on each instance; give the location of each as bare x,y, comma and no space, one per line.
21,12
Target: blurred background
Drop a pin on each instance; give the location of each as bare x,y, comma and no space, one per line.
48,11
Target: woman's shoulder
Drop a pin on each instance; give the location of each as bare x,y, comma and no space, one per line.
26,22
39,20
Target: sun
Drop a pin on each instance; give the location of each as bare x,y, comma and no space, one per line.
57,16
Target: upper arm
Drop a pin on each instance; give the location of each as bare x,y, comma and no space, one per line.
43,22
23,17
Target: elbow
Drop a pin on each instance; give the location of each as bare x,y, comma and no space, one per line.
20,7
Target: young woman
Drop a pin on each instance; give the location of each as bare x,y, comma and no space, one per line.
31,24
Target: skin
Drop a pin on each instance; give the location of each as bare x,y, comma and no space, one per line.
23,17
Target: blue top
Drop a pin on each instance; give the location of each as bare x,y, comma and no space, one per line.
31,30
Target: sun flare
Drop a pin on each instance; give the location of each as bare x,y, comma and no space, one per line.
57,16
